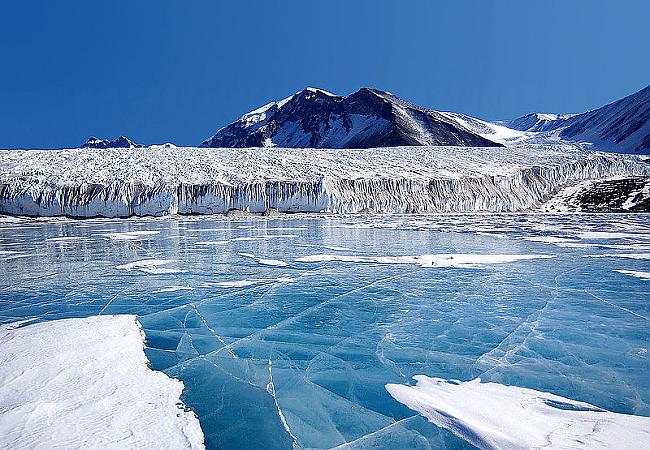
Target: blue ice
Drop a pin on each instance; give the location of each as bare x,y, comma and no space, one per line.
280,351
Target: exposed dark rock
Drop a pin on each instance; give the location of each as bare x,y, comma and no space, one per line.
313,118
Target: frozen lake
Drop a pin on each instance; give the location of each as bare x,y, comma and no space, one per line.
286,331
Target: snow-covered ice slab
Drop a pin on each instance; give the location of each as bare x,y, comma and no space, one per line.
85,383
494,416
466,261
160,181
636,273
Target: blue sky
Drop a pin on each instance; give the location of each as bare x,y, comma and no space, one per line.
161,71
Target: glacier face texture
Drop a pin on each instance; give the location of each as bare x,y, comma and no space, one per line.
159,181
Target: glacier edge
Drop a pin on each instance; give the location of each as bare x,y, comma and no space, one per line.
160,181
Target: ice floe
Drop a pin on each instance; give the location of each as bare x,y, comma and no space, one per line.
85,383
173,289
491,416
550,239
636,273
211,242
130,235
611,235
623,255
246,283
264,261
470,261
152,266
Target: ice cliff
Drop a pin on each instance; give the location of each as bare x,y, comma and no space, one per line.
161,180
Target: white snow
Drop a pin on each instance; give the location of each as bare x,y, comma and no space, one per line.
565,200
211,242
258,116
151,266
468,261
129,235
233,284
637,197
623,255
85,383
492,416
245,283
635,273
322,91
163,181
173,289
488,130
550,239
611,235
264,261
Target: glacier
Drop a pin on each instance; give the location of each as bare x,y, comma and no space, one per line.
160,180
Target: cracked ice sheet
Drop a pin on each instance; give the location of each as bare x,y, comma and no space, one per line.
71,383
435,322
468,261
491,415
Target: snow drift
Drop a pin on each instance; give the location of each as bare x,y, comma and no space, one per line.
85,383
160,180
494,416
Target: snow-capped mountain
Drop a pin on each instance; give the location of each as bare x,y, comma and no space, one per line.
120,142
621,126
537,122
365,119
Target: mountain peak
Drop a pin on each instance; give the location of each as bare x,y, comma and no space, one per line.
320,91
120,142
315,118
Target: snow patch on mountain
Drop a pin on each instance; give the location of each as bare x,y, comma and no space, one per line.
494,132
537,122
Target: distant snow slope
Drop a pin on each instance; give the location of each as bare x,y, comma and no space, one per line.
84,383
492,131
622,126
159,180
365,119
537,122
494,416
